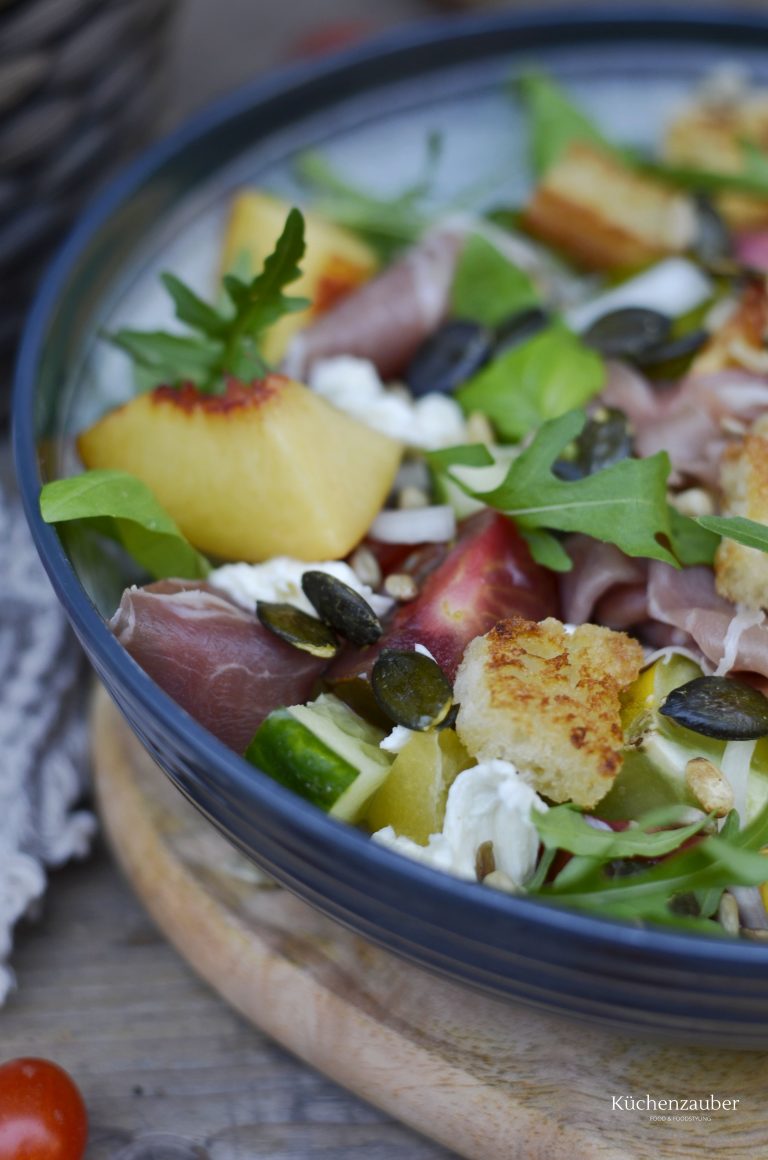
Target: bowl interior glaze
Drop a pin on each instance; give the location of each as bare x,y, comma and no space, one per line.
370,112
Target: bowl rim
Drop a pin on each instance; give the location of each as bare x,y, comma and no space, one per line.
226,768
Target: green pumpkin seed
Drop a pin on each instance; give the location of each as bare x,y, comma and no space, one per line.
719,707
298,628
629,332
341,607
713,246
604,441
673,354
411,689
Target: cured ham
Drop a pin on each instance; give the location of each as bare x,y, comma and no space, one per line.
214,658
602,573
387,319
692,422
731,639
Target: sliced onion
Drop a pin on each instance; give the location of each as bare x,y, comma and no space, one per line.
425,525
674,287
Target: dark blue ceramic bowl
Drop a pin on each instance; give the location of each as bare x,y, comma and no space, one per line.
370,109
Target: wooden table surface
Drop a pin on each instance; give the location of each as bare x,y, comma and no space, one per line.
167,1070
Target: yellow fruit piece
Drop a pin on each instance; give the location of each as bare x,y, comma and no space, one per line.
335,262
412,799
264,470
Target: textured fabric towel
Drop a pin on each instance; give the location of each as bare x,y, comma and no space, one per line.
42,730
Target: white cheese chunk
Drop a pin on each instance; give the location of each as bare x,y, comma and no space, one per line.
489,803
353,385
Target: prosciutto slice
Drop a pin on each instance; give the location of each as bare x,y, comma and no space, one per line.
733,640
214,658
387,319
602,578
694,421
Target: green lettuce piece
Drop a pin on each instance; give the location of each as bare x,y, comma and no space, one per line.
123,508
487,288
541,378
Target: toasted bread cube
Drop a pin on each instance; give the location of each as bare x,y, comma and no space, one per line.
548,701
605,215
740,341
708,136
741,573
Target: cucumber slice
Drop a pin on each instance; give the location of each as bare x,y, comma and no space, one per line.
325,753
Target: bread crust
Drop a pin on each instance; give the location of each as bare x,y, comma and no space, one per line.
606,216
548,701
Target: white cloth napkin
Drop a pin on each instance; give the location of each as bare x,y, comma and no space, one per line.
43,765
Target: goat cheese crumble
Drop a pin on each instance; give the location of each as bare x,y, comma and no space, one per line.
353,385
489,803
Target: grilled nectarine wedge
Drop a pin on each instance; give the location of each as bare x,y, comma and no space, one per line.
335,260
263,470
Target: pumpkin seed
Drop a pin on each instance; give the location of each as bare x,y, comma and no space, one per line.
676,350
713,246
449,357
411,689
604,441
340,607
519,328
719,707
628,333
485,860
298,628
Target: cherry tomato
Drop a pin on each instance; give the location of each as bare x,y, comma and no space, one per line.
42,1114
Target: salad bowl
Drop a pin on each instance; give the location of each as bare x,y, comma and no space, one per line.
369,110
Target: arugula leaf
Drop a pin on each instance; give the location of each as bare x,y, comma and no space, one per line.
192,310
625,504
386,223
227,338
547,550
261,302
170,358
565,828
487,288
555,122
748,532
691,541
751,178
120,506
539,379
730,858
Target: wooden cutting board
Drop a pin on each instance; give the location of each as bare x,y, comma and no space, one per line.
492,1081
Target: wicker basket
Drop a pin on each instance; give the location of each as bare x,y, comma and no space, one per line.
79,81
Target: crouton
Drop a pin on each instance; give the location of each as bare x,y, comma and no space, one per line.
548,701
740,340
605,215
741,573
708,136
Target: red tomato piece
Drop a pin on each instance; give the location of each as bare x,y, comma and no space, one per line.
42,1114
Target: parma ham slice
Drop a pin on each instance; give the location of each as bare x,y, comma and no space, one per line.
214,658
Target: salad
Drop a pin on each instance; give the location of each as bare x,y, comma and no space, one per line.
456,522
